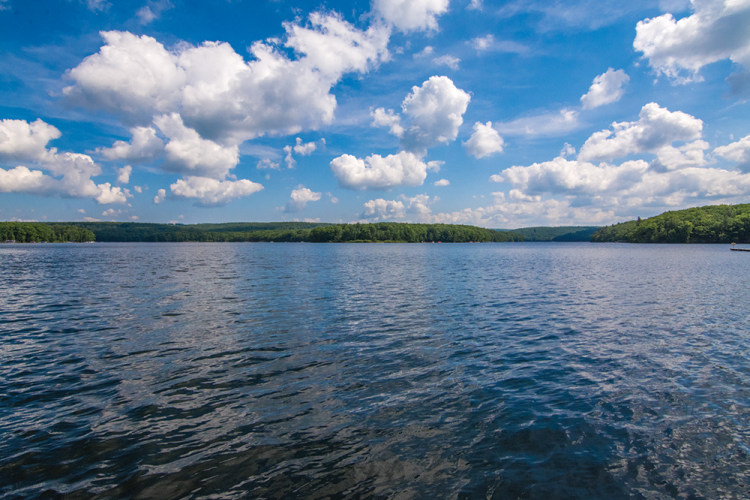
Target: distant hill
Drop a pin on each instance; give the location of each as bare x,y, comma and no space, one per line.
710,224
560,233
290,232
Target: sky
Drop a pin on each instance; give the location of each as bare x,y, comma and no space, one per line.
501,114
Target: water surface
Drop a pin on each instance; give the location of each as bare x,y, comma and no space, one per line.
492,371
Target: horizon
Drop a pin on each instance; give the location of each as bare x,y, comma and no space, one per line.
470,112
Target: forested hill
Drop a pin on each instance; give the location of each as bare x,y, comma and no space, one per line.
37,232
711,224
560,233
291,232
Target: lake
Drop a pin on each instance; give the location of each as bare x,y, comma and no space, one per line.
457,371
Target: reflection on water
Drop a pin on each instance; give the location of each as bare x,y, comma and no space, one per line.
542,371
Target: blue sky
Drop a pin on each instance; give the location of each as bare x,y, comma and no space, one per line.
499,114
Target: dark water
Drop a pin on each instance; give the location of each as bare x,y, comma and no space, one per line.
492,371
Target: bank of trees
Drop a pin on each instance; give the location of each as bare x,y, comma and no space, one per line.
36,232
711,224
409,233
277,232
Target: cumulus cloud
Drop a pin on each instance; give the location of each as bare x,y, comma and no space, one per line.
160,195
737,152
475,5
377,172
656,128
300,197
216,92
123,174
23,141
418,207
188,153
435,111
26,142
545,124
301,149
484,141
717,30
442,182
411,15
607,88
208,192
266,163
383,209
427,51
142,148
447,60
383,118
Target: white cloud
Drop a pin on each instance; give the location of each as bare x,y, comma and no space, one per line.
688,155
299,148
567,150
97,5
133,217
657,127
717,30
209,192
488,42
217,93
266,163
738,152
376,172
482,42
143,147
436,112
304,149
111,212
138,189
384,209
417,206
123,174
475,5
5,4
26,142
91,219
153,10
411,15
160,195
187,153
545,124
447,60
81,211
383,118
442,182
23,141
484,141
427,51
607,88
300,197
572,177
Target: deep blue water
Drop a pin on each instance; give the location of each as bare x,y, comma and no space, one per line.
488,371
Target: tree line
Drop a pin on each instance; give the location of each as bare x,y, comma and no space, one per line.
283,232
37,232
711,224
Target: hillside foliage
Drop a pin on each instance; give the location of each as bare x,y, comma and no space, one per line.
36,232
560,233
711,224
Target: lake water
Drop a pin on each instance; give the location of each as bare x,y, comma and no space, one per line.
472,371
